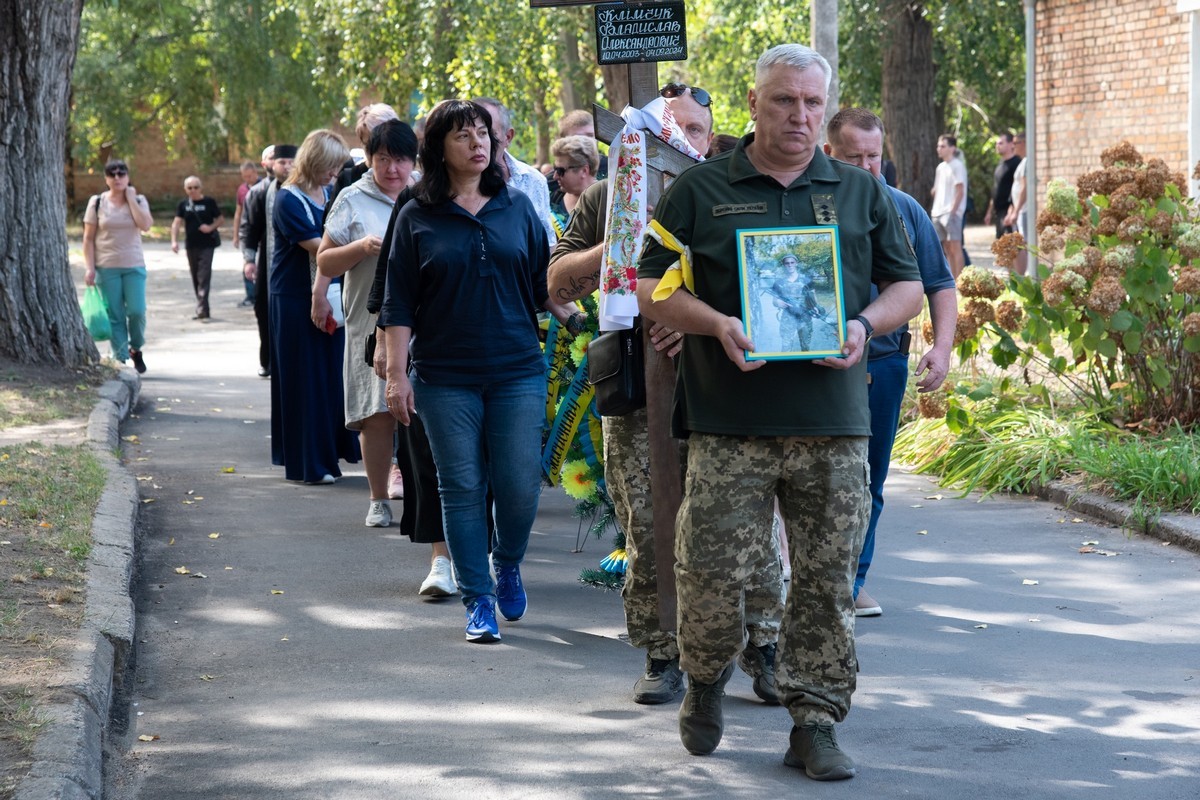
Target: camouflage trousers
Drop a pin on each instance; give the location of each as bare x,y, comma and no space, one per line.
627,474
723,539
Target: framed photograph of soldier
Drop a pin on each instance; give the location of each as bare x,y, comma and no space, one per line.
793,306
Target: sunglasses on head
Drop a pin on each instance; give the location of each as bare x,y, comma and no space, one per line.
116,172
672,90
560,171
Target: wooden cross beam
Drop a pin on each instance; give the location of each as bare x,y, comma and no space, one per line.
666,487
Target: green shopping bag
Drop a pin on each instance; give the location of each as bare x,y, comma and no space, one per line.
95,314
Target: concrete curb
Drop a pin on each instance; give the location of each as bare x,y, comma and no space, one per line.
68,756
1178,529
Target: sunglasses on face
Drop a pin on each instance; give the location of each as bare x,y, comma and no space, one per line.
672,90
116,173
560,171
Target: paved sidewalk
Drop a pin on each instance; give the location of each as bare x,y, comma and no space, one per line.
303,664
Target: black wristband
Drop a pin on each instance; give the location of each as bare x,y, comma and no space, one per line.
867,326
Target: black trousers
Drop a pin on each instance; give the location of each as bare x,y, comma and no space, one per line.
200,264
261,304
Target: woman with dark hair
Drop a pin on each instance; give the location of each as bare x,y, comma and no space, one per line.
113,224
308,434
466,277
350,247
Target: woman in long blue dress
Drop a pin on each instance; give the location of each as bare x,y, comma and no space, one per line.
308,433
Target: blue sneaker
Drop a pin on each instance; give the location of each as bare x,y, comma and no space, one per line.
481,620
509,592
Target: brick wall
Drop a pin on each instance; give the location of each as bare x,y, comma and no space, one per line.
160,178
1110,70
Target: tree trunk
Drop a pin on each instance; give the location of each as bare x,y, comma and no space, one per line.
569,94
40,321
825,42
908,101
616,86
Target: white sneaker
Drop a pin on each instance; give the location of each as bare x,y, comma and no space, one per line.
380,515
440,581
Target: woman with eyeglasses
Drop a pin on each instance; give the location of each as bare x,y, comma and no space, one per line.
576,161
113,225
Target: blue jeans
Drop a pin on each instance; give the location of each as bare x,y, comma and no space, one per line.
481,433
889,376
124,290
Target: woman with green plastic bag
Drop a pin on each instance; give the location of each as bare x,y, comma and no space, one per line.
113,225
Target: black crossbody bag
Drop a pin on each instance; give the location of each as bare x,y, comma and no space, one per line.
617,368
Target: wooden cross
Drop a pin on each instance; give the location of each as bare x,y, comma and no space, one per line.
666,488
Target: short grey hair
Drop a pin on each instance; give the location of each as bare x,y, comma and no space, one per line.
791,55
505,117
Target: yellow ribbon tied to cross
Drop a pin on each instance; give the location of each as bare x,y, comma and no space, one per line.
679,273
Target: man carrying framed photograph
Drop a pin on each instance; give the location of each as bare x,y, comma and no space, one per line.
807,443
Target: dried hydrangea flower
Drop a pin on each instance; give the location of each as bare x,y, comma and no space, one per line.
1188,281
980,310
1123,153
932,405
1106,297
1009,315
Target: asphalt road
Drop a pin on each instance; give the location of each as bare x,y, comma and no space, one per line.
303,664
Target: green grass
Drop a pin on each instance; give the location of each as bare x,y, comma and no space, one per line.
995,445
48,497
1160,471
36,395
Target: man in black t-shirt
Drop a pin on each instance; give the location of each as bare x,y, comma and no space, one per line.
1002,182
200,217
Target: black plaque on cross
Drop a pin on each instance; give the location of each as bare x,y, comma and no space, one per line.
629,33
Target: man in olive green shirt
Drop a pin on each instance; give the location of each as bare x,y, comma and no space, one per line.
794,429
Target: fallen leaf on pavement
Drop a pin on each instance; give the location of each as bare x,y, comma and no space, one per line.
171,542
199,575
277,591
214,536
131,438
1087,549
207,677
228,470
147,738
183,570
147,500
933,497
922,533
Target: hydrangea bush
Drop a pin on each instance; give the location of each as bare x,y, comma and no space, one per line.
1118,283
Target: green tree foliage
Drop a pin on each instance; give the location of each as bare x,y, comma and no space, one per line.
220,77
215,76
725,39
979,53
413,53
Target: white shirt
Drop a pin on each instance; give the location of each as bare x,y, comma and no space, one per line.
532,184
949,175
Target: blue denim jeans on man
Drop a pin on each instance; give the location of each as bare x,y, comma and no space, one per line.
480,433
889,376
